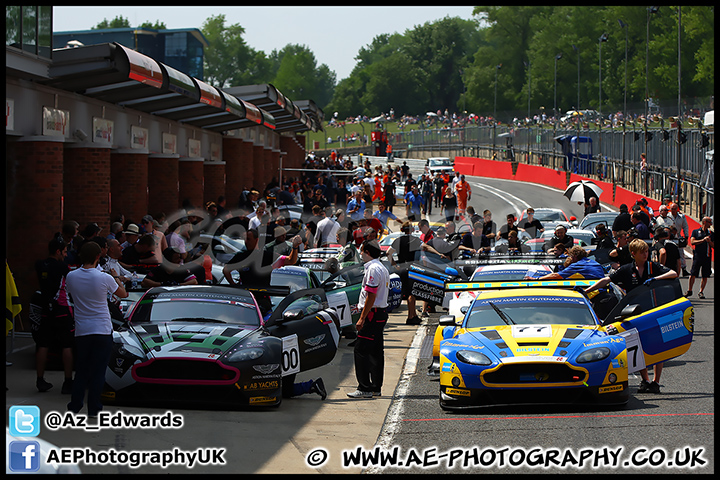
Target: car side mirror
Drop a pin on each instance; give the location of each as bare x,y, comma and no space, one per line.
464,309
294,314
447,320
329,286
628,311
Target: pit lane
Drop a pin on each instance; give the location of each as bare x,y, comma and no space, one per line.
407,415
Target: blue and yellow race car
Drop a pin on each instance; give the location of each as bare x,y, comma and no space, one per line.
540,345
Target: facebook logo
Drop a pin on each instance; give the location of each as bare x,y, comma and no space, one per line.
24,421
24,456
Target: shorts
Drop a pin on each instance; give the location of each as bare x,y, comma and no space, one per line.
704,264
57,329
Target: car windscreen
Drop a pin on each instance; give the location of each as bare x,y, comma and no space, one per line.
445,162
196,307
509,275
529,310
549,216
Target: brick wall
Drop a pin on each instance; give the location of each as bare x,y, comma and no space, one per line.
214,173
34,190
87,186
129,187
163,190
192,184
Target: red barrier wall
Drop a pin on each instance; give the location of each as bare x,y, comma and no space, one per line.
481,167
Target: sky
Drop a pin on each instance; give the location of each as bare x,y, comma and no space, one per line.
333,34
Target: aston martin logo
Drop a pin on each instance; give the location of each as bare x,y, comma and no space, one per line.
541,376
265,369
313,341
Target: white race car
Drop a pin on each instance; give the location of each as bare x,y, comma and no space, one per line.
458,302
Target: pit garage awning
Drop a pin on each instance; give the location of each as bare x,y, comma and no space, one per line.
310,108
116,74
288,116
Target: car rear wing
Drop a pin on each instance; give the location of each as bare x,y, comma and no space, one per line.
539,258
470,286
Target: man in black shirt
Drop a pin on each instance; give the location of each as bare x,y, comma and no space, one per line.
532,226
622,221
561,236
170,272
640,272
56,325
408,247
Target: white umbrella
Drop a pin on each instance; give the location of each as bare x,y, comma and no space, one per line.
582,190
431,114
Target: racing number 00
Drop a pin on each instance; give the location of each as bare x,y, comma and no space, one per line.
290,355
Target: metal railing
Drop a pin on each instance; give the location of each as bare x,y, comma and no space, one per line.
684,171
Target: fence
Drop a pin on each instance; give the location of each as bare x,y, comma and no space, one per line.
684,171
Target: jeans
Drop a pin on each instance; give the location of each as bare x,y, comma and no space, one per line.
92,357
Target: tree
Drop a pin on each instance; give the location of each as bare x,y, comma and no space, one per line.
299,77
117,22
229,61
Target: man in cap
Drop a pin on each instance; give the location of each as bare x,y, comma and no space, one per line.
131,235
561,236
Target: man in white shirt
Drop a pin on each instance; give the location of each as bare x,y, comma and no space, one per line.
369,348
327,229
89,289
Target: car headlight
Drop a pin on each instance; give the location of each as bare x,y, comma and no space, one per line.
473,358
593,355
244,354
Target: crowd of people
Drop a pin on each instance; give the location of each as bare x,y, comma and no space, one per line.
341,204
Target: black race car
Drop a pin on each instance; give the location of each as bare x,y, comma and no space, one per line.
209,344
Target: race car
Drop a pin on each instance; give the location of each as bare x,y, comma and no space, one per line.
537,345
209,344
460,301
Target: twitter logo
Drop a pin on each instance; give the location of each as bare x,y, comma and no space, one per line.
24,421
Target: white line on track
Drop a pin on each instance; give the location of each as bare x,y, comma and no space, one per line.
397,405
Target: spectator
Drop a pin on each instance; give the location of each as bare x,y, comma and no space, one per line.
683,232
449,205
604,240
640,228
664,251
475,242
327,229
622,221
592,206
621,254
389,199
577,266
356,206
439,186
383,215
489,227
703,241
413,204
170,272
663,220
132,233
56,324
113,266
115,230
508,227
89,289
408,248
139,254
532,226
640,272
560,236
